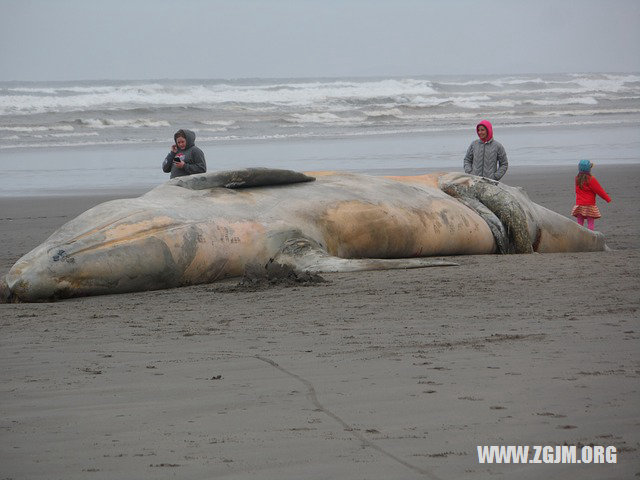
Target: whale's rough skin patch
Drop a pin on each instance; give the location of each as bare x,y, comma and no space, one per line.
501,210
207,227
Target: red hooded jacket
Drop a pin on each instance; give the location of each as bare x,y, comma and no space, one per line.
587,194
486,124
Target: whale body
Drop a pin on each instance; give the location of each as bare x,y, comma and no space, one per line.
206,227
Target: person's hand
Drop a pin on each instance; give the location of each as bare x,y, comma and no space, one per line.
180,164
174,148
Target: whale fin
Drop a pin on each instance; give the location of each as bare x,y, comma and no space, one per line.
306,255
498,207
246,178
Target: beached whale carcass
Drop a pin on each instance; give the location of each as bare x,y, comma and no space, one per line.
206,227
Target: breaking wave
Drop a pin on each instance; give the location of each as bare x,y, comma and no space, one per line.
138,111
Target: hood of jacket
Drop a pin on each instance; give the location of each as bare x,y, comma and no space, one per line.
486,124
190,136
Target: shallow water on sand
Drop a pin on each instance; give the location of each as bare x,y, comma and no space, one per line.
29,172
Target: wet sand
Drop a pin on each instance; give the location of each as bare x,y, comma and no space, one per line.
370,375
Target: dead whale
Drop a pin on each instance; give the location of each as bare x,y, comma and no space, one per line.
206,227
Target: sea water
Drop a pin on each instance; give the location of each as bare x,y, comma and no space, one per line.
78,136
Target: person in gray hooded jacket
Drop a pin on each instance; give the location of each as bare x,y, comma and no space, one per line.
486,157
184,158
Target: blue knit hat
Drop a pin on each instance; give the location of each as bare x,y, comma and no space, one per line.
585,166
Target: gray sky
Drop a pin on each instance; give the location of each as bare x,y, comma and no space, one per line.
154,39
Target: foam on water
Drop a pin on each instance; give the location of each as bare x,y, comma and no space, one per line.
67,128
149,112
110,123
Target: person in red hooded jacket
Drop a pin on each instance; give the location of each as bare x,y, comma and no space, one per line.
486,157
587,187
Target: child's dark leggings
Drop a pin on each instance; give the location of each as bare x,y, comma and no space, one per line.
590,221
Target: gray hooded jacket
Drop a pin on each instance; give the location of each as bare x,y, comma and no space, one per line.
192,156
486,159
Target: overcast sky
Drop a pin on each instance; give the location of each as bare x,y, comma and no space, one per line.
155,39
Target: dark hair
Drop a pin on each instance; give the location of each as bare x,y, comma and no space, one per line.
179,133
582,178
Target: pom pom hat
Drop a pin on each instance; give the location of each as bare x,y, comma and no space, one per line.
584,166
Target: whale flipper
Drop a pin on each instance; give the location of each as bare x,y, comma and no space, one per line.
245,178
306,255
498,207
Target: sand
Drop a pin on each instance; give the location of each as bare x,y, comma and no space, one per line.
375,375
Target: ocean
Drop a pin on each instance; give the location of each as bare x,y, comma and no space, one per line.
84,135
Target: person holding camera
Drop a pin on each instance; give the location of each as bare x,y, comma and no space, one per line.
184,158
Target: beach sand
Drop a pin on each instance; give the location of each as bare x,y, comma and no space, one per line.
370,375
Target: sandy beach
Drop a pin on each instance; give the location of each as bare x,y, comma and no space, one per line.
374,375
